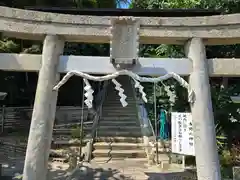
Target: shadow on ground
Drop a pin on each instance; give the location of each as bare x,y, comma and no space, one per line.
187,175
11,167
87,173
5,177
82,173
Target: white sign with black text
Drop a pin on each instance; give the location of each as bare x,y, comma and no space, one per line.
182,134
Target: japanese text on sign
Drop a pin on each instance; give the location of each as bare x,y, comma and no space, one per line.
182,133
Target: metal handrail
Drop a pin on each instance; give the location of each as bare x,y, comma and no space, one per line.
97,111
140,104
97,115
151,140
151,126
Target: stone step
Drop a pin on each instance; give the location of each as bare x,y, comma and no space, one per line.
126,87
117,103
119,114
115,122
99,160
124,82
116,99
119,123
164,157
122,118
114,93
113,109
163,151
119,118
119,107
111,97
164,143
118,139
60,160
68,131
117,146
119,153
119,128
123,133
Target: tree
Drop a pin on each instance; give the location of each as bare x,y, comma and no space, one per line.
224,109
12,81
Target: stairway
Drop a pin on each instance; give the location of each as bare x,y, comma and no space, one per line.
119,134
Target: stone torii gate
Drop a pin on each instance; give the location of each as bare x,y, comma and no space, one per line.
124,35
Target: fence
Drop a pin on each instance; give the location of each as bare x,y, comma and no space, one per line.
19,118
10,149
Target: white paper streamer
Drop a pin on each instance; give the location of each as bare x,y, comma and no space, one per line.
171,95
140,88
88,94
191,97
120,90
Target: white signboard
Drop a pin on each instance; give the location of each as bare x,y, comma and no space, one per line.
182,134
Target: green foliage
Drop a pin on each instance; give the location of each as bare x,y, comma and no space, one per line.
220,137
226,172
159,4
8,46
65,3
86,49
226,158
172,51
76,133
232,6
21,87
225,111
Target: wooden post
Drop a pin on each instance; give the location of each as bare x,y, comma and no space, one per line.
40,135
203,121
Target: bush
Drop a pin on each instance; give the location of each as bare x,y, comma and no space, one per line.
76,133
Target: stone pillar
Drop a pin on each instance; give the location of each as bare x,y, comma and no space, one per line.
40,135
203,121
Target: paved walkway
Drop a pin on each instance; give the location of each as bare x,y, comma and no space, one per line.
113,170
124,170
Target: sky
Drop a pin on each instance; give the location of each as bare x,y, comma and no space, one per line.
125,5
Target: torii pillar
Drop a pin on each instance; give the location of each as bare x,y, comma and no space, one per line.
206,152
40,135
